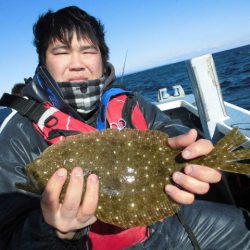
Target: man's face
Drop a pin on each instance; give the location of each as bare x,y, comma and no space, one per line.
80,62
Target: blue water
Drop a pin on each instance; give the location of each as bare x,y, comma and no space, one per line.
233,69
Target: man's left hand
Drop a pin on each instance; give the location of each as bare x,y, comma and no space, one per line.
196,178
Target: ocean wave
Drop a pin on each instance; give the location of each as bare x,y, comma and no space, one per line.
233,68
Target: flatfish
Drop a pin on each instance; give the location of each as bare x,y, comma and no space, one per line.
133,167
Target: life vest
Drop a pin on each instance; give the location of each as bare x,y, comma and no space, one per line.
120,110
54,125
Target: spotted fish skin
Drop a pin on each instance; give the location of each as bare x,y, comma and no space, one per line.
133,167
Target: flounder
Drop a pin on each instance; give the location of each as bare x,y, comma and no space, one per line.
133,167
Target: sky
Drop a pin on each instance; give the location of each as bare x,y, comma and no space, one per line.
150,32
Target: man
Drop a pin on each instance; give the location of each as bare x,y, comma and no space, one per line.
17,89
72,76
4,111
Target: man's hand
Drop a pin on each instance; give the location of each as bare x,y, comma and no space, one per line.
195,179
71,215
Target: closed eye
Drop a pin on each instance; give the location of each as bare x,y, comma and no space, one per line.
60,50
90,52
61,53
89,49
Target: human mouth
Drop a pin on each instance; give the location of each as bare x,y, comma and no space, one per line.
78,79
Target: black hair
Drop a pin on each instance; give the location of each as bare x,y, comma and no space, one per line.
17,89
61,25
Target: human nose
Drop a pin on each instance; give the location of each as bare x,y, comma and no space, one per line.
76,62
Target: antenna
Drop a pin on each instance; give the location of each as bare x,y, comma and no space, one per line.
124,64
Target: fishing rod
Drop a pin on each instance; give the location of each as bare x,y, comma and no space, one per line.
124,65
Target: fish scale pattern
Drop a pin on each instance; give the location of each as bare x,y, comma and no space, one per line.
133,168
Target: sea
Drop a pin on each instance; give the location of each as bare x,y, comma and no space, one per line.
233,70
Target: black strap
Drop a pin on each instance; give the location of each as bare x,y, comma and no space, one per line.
128,110
59,132
26,107
189,231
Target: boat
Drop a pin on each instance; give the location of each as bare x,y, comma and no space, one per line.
207,112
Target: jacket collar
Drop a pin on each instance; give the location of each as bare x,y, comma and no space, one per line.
42,87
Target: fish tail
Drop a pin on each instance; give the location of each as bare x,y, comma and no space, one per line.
228,156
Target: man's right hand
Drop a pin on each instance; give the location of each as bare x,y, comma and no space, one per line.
71,215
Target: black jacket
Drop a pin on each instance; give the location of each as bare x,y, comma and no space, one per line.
21,221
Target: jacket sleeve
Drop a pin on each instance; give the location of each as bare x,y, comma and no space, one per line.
158,120
21,222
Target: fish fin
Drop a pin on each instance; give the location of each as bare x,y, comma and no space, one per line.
227,157
236,167
233,140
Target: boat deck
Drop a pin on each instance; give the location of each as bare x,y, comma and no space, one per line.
237,116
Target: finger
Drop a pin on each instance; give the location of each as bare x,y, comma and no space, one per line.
91,196
73,193
199,148
184,140
190,184
180,196
203,173
50,196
